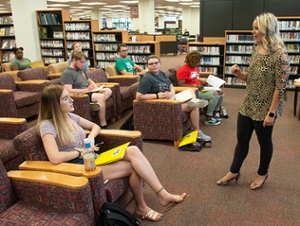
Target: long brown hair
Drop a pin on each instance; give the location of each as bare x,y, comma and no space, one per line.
50,110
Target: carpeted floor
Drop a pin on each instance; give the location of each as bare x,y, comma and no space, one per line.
276,204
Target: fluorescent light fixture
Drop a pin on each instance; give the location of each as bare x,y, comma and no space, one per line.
172,0
58,5
114,6
93,3
129,2
82,7
195,6
61,1
185,3
186,0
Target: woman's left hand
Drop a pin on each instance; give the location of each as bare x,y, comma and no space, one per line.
269,121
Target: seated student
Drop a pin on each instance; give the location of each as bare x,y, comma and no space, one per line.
75,80
19,62
156,85
62,133
125,66
186,32
76,46
189,75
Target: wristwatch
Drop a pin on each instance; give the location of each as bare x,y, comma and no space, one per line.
271,114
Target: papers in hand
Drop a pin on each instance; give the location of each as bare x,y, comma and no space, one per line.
96,90
215,83
112,155
183,96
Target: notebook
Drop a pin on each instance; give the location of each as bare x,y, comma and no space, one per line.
96,90
189,138
112,155
183,96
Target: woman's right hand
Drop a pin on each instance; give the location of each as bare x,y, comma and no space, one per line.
235,70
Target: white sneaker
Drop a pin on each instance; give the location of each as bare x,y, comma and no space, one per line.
198,103
202,136
95,106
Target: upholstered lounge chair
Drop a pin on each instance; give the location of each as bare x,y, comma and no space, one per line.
44,198
9,128
116,191
38,73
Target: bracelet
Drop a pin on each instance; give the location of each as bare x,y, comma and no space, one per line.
79,152
157,97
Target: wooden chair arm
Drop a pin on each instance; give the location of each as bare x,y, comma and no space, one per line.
6,120
57,74
56,179
32,82
167,101
107,84
182,88
119,133
6,90
63,168
123,76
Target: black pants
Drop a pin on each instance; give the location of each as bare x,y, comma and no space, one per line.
245,127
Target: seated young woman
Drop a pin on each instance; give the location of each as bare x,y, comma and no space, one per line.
62,132
156,85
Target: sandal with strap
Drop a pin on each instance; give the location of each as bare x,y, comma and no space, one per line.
150,216
176,200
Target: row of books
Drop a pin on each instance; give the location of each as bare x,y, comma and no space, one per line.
7,31
84,45
86,53
238,59
77,26
6,20
293,70
210,61
8,43
292,48
107,56
138,58
102,64
234,81
242,68
206,50
8,56
78,35
104,38
294,59
106,47
290,36
289,25
243,38
53,52
53,43
139,49
48,19
49,60
239,49
212,70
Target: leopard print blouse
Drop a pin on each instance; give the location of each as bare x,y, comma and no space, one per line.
265,74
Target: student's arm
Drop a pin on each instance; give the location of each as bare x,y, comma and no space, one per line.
94,128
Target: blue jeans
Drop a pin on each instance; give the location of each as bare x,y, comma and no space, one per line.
245,127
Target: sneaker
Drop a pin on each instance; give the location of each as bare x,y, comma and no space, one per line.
211,122
198,103
202,136
217,116
95,106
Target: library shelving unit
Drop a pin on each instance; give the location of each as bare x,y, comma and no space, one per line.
290,33
51,34
7,37
81,31
106,46
213,57
238,50
138,52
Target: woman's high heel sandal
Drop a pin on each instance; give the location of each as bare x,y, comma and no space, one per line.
226,182
254,186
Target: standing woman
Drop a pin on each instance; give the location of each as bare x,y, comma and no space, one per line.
264,99
76,46
20,62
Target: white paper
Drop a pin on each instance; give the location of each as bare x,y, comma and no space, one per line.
183,96
211,88
214,81
97,89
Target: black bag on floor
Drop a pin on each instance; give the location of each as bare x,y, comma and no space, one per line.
114,215
128,124
195,147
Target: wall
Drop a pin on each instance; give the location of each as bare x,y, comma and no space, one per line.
216,16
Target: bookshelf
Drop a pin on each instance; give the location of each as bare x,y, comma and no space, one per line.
238,50
7,37
51,34
138,52
106,46
290,33
213,57
81,31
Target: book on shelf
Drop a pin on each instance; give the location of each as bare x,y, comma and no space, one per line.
11,56
2,31
43,32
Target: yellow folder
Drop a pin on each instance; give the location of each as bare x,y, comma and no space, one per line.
189,138
112,155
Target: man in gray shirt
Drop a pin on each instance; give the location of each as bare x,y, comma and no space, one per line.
75,80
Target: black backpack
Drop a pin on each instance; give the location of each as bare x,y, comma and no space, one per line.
128,124
114,215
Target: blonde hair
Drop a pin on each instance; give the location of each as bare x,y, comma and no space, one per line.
268,26
50,110
193,58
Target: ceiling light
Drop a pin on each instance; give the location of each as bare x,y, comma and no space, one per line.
82,7
93,3
172,0
58,5
195,6
129,2
186,0
185,3
63,1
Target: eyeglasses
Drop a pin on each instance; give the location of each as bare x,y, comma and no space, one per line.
156,63
125,50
